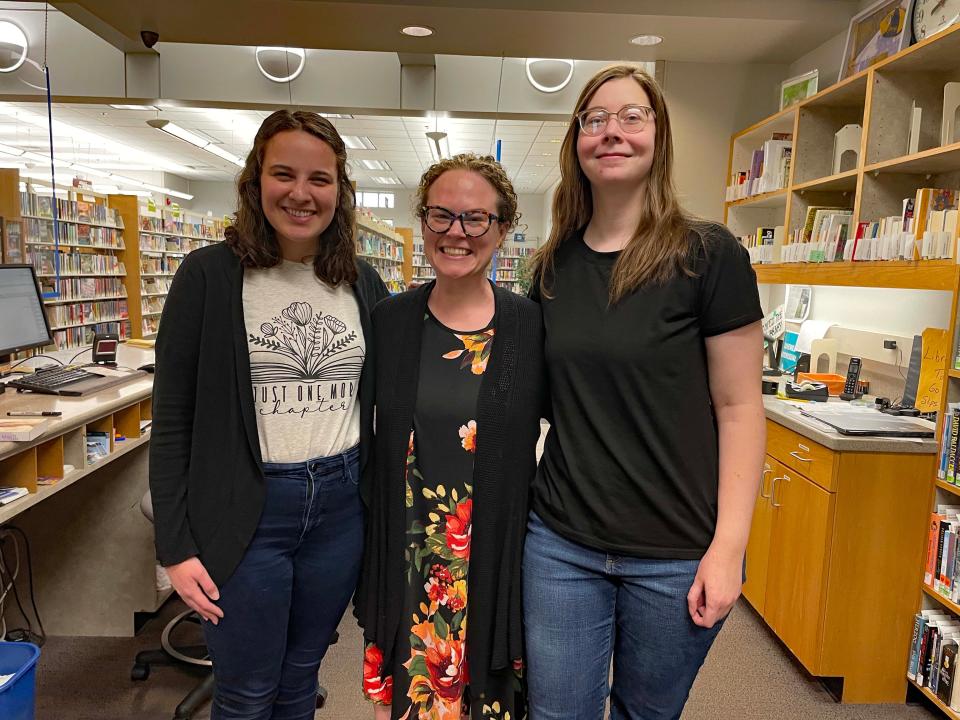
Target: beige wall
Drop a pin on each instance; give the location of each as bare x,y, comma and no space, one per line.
708,103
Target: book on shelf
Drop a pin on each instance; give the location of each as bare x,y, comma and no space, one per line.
22,429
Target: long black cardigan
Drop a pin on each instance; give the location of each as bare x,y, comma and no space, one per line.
511,396
206,474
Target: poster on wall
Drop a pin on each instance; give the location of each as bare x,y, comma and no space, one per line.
882,30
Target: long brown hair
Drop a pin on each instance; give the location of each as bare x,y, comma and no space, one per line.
252,237
660,248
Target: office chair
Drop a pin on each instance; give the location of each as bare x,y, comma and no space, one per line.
191,655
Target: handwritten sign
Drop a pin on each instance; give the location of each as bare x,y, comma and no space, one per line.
933,367
773,326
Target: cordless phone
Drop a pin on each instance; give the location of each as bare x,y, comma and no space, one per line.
850,384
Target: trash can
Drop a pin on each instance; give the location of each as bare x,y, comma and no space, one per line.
17,694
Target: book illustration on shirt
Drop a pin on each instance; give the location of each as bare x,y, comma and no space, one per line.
300,345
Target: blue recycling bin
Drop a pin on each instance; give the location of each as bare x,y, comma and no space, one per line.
17,694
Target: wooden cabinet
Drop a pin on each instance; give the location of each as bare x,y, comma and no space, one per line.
833,559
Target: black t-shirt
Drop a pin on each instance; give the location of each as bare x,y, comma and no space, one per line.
630,465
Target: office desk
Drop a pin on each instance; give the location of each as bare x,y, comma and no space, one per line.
92,548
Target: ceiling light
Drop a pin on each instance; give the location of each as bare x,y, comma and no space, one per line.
358,142
646,40
384,180
549,75
135,107
168,191
417,31
8,150
15,44
194,139
274,63
439,147
336,116
90,171
375,164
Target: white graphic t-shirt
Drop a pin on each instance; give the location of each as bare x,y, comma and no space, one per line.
306,352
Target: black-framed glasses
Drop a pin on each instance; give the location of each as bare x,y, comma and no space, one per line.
474,222
632,119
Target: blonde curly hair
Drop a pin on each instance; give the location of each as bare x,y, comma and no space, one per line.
484,165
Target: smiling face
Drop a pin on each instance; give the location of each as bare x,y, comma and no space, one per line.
298,190
615,156
453,254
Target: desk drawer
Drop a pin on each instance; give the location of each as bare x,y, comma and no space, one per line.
802,455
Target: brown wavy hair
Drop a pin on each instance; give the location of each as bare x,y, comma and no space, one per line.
252,237
661,247
484,165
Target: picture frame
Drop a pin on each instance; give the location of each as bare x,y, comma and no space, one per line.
797,303
883,29
795,89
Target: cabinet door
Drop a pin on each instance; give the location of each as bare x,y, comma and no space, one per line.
758,546
797,571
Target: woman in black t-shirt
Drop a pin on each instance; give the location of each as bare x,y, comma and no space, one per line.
642,504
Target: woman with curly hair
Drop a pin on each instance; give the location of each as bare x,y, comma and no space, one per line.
459,394
260,431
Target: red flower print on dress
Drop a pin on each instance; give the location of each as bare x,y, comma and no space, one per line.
459,529
375,686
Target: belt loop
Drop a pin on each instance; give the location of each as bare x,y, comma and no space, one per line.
346,467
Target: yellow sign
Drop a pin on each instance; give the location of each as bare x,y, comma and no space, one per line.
933,367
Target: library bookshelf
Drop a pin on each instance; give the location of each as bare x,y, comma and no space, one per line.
873,186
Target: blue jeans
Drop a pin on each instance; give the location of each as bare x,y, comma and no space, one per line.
284,601
581,606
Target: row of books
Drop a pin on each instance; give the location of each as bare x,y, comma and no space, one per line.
933,654
370,243
508,262
390,271
160,243
74,210
79,336
948,469
82,288
154,285
41,231
149,325
86,312
942,569
206,230
45,263
159,264
769,169
151,304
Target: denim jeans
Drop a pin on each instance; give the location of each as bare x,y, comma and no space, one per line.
581,606
284,601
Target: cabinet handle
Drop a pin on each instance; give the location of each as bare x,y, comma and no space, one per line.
800,457
773,491
763,476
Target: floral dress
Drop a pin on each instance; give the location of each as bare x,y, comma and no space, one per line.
430,679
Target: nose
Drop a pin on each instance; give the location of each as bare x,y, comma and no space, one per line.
299,191
456,229
612,131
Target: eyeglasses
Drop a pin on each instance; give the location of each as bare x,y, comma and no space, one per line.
474,222
632,119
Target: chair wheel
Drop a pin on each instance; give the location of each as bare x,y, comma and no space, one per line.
140,672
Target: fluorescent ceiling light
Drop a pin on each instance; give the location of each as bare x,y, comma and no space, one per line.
9,150
646,40
135,107
417,31
168,191
358,142
195,140
375,164
91,171
439,146
384,180
82,137
336,116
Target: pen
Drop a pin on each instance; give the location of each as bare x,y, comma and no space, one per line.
34,413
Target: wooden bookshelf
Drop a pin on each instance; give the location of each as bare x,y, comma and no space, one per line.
936,701
874,186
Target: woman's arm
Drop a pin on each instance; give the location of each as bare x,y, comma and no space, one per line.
734,367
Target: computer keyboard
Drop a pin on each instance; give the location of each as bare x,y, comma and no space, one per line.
49,382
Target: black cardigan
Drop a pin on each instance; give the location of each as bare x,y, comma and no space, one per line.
206,473
512,393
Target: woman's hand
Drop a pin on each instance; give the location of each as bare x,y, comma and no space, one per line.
193,584
716,586
381,712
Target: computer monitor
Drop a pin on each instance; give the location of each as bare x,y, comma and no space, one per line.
23,322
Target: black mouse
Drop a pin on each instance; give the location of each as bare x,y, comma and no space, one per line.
148,367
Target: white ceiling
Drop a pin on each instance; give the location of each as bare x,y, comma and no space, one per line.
529,148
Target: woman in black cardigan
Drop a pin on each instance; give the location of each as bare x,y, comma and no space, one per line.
459,392
257,413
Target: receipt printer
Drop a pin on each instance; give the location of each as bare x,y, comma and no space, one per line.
807,390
